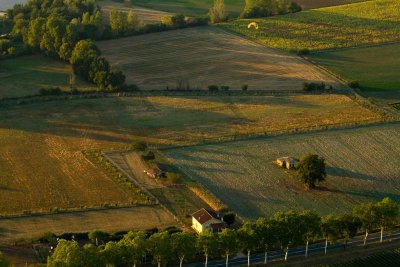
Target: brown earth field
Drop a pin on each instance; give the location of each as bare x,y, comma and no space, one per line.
108,220
197,57
41,145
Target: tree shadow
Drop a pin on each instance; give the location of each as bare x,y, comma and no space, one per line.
345,173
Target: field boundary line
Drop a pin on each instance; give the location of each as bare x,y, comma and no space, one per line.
145,190
72,211
305,131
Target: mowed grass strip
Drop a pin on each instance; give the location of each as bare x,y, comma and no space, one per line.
356,24
24,76
41,145
198,57
362,165
375,68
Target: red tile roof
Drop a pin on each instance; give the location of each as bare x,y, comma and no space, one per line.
203,215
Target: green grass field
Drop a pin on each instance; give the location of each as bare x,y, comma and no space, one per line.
375,68
234,7
41,145
362,165
332,27
24,76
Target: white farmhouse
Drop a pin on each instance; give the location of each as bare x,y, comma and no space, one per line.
206,220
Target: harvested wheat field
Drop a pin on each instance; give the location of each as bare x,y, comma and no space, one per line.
362,165
110,220
197,57
41,145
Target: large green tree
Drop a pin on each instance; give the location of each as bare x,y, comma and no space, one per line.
311,169
289,229
248,239
330,229
311,224
266,235
159,245
207,243
368,216
228,244
183,245
135,244
387,214
349,226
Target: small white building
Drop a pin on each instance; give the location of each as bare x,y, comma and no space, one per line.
287,162
2,13
206,220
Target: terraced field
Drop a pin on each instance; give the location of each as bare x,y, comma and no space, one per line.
356,24
41,145
168,60
362,165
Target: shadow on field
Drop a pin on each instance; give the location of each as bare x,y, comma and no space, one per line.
345,173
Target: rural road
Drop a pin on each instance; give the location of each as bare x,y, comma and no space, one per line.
313,249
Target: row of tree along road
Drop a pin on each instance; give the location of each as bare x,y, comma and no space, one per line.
284,230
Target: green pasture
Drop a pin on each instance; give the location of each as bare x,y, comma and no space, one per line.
24,76
351,25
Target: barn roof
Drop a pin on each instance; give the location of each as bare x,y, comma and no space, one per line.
203,215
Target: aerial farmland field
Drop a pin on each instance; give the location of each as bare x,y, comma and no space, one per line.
356,24
145,15
233,7
24,76
42,145
168,60
375,68
362,165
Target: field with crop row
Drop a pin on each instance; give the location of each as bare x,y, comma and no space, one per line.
24,76
41,145
332,27
145,15
169,60
362,165
233,7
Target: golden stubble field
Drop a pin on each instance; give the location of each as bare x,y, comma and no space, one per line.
42,145
197,57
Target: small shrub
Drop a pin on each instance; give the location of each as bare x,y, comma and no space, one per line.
174,177
229,218
213,88
294,7
148,156
354,85
313,86
224,88
245,87
139,146
303,52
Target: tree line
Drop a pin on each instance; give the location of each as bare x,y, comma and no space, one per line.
281,231
67,30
